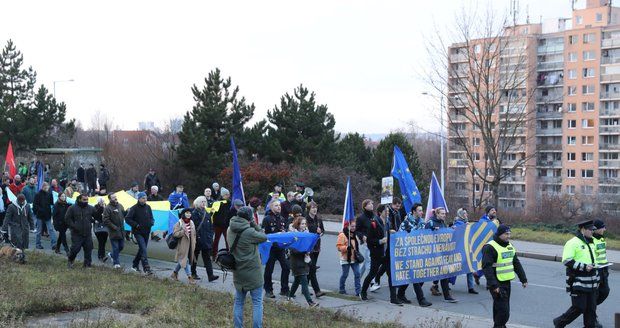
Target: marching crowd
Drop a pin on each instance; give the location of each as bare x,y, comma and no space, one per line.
362,244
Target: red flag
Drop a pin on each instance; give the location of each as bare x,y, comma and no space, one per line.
10,161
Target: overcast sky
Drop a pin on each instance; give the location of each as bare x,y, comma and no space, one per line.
136,60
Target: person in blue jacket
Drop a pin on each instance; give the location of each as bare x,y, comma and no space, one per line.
178,199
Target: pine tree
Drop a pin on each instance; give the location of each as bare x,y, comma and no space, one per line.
301,129
351,152
218,114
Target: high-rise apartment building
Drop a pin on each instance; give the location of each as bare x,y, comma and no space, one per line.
571,139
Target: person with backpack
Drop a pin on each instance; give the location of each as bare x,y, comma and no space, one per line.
185,232
204,237
248,272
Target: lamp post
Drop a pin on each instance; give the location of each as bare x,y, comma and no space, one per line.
59,81
441,136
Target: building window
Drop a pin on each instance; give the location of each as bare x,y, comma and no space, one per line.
572,91
589,55
572,124
477,48
578,20
572,107
588,72
587,106
570,189
572,57
587,140
587,190
572,39
588,38
599,17
572,74
571,140
570,173
476,157
587,157
587,123
475,141
587,89
477,187
571,157
587,174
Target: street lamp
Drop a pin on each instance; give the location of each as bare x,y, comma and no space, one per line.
441,136
59,81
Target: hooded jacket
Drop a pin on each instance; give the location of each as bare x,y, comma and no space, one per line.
248,274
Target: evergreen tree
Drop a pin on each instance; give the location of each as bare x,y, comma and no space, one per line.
218,114
301,129
351,152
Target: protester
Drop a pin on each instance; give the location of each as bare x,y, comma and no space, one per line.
204,238
436,222
490,214
22,169
134,190
208,193
247,275
3,206
363,224
91,179
348,246
18,222
42,207
154,196
500,263
151,179
140,219
100,230
221,219
275,223
413,221
30,190
104,177
62,175
69,191
287,205
376,240
114,220
79,219
178,199
394,223
185,232
55,187
216,192
300,264
60,210
81,176
462,218
300,201
315,225
254,204
295,213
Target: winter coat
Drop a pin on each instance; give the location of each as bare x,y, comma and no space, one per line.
376,232
434,223
178,201
222,215
248,274
114,219
151,180
81,175
98,225
80,220
187,245
154,198
140,219
104,177
313,225
42,205
347,255
18,222
29,191
299,267
91,176
59,212
204,229
363,224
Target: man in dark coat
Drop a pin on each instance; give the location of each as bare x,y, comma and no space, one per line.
104,177
81,176
18,222
274,223
42,207
114,219
91,179
204,238
151,179
140,219
79,219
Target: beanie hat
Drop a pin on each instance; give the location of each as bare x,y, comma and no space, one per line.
502,229
238,202
224,191
296,209
488,209
461,212
141,194
182,214
245,212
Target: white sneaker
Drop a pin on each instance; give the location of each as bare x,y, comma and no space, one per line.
374,287
117,266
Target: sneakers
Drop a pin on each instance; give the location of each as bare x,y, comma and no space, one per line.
342,292
135,269
117,266
270,295
191,280
364,296
319,294
56,250
396,302
472,291
435,290
450,299
175,276
196,277
374,287
105,258
404,299
213,278
425,303
313,304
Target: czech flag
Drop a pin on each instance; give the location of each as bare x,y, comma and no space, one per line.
348,213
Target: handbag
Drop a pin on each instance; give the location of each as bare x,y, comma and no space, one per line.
359,258
224,257
172,241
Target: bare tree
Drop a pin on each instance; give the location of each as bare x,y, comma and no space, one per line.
102,125
485,72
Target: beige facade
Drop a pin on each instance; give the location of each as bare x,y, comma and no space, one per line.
572,142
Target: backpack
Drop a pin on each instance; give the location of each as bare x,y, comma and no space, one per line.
224,257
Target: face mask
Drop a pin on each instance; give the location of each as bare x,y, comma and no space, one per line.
82,204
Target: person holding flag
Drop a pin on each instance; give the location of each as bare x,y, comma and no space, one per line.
10,161
348,245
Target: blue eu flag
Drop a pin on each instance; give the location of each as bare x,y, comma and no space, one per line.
237,184
408,187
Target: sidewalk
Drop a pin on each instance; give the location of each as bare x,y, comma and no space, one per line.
375,310
538,251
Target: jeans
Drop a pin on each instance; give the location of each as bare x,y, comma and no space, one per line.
117,247
77,243
276,254
186,268
102,239
143,242
356,274
50,230
257,308
303,280
470,281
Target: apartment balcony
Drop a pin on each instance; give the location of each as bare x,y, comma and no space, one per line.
457,118
610,129
549,132
610,78
550,98
458,74
511,179
550,147
458,162
512,194
609,146
458,58
611,43
550,180
511,163
550,66
456,148
458,178
609,112
610,95
550,48
609,163
546,163
610,60
609,181
549,114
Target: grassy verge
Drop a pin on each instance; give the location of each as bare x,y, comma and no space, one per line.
551,237
45,286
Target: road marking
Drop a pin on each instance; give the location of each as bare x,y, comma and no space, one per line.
543,286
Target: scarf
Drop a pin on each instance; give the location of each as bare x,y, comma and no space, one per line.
188,227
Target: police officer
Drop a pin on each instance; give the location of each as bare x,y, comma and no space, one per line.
601,262
582,277
500,264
